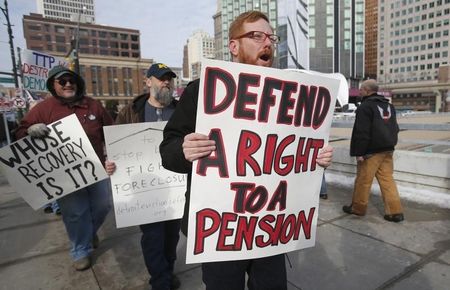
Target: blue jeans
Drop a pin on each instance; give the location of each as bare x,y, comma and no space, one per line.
159,247
83,212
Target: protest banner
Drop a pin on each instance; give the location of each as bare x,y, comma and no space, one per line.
44,170
143,191
35,68
257,194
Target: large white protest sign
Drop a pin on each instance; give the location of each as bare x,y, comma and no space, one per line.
257,195
35,68
143,191
44,170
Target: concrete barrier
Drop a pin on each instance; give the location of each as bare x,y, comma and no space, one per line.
420,176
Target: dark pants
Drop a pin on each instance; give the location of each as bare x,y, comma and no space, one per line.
159,247
268,273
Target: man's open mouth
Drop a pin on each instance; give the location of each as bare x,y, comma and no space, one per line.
265,56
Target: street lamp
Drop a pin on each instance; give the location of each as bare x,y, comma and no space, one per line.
11,43
75,47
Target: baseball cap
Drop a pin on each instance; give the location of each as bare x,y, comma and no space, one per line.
158,70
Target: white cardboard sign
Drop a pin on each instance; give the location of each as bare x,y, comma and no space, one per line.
44,170
143,191
35,68
257,195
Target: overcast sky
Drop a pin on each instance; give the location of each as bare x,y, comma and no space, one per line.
164,25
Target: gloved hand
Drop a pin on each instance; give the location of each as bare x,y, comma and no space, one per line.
39,130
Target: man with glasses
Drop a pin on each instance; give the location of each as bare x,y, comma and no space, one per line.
251,41
84,210
159,240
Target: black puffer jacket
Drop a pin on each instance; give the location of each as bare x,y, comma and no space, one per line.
181,124
375,129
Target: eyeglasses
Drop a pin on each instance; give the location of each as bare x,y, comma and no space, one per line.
260,36
63,82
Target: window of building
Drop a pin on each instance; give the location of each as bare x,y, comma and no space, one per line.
102,34
60,39
60,48
59,29
123,36
127,81
125,53
96,80
134,37
134,46
330,42
124,45
34,27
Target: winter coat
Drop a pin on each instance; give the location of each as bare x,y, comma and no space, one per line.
375,129
181,124
135,111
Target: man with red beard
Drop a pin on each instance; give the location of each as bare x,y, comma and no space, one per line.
251,41
159,240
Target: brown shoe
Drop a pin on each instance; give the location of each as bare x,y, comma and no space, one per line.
82,264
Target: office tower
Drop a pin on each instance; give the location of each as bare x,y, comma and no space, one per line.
336,37
293,49
73,10
413,40
200,44
371,39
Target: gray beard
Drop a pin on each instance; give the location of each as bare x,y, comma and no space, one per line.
164,96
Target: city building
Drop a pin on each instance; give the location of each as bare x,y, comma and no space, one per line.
293,49
413,52
109,57
73,10
371,39
413,40
199,45
336,38
228,10
51,35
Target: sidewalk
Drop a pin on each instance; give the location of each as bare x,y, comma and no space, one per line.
350,253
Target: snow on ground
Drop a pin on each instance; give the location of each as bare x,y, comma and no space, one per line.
424,196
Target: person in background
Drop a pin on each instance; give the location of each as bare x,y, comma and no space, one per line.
84,210
374,136
251,41
159,240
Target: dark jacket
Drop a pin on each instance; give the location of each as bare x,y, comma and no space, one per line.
375,129
181,124
91,114
135,111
